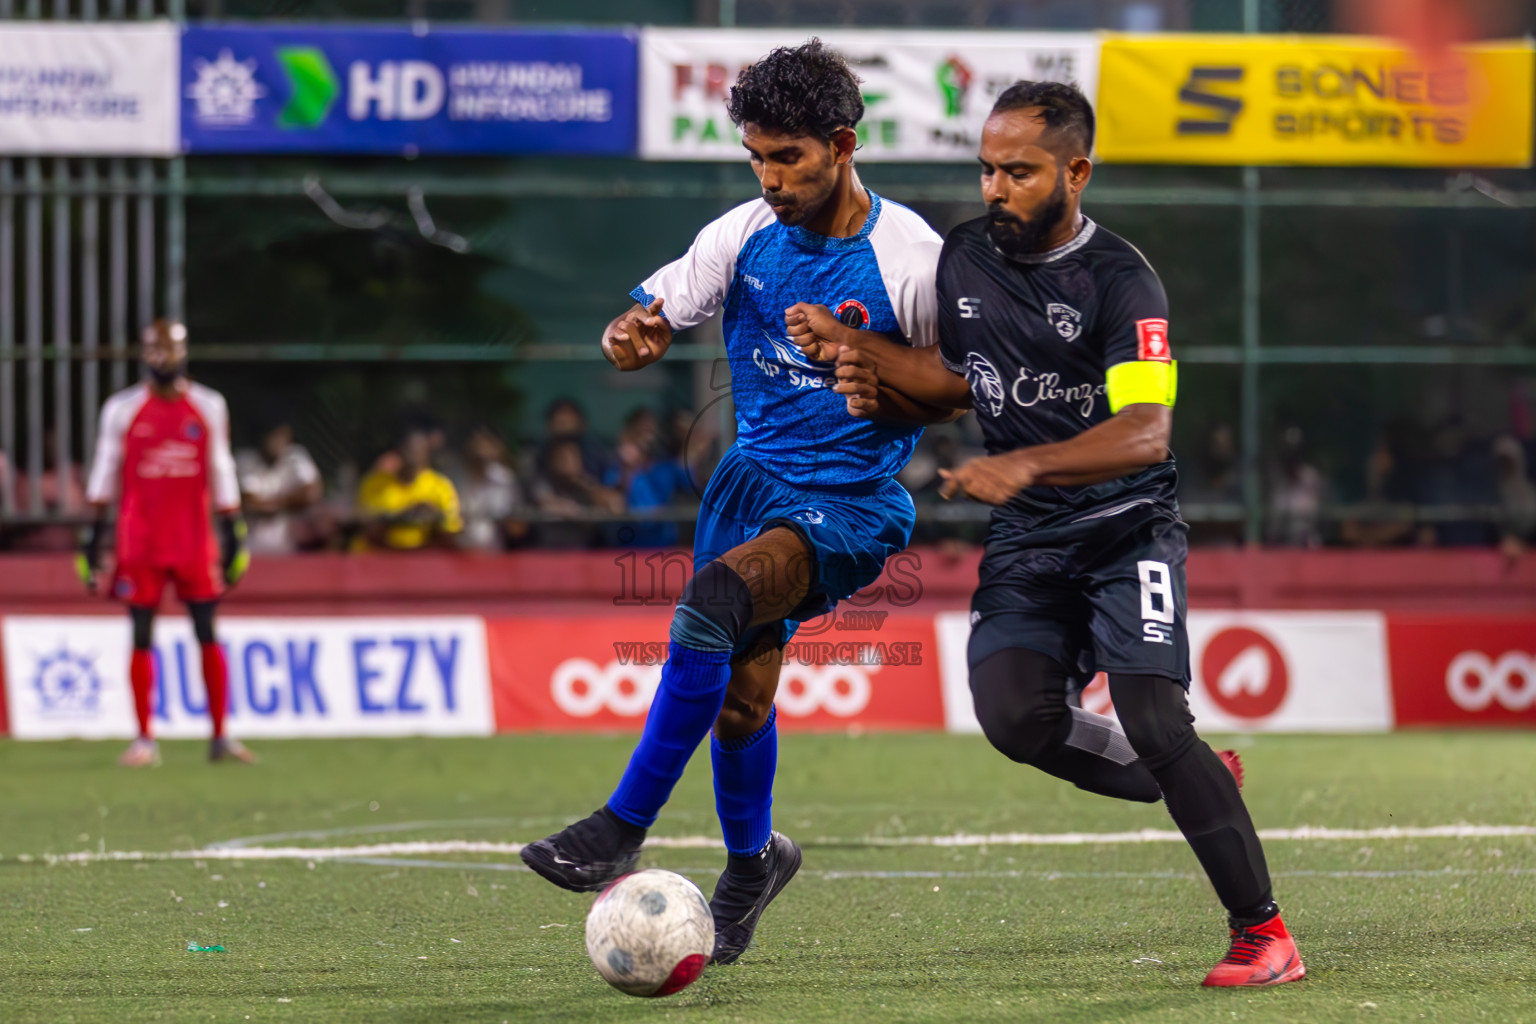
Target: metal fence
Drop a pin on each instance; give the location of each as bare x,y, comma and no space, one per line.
92,249
78,245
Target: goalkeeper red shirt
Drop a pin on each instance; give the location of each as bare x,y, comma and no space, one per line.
167,463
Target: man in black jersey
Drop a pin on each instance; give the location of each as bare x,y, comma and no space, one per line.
1056,332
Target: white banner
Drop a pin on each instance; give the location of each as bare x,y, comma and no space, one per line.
1253,672
104,89
926,94
67,677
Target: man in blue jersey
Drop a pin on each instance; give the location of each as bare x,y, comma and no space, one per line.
804,509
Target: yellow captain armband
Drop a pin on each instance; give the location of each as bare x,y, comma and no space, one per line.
1145,381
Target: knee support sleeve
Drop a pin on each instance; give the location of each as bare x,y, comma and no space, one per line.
715,610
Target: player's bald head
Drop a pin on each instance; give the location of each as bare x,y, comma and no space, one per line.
1064,113
164,349
165,332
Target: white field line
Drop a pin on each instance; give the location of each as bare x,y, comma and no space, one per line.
1305,833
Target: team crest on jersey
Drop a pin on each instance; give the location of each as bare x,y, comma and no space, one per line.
853,314
1067,321
986,385
192,432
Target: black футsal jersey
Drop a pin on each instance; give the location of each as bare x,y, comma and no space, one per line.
1034,338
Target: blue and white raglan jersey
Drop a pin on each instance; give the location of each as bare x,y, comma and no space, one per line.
788,418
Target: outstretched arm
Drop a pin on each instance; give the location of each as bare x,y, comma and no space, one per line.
1134,438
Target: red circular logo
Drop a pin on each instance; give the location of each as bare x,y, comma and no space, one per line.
1244,673
853,314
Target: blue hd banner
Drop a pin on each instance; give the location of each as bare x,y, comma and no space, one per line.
355,89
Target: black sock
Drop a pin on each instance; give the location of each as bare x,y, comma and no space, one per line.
1200,792
755,866
629,830
1259,916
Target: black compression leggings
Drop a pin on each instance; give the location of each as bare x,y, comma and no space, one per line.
1021,702
1200,792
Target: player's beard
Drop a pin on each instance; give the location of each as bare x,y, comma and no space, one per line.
1016,237
167,375
795,210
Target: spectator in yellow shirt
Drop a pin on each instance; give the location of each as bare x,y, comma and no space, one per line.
413,507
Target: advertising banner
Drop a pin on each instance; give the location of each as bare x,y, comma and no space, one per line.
1253,672
570,674
1462,671
360,89
926,94
90,90
67,677
1312,100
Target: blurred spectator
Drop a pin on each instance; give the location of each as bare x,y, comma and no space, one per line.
1456,473
490,495
411,508
281,489
695,443
564,486
1214,477
941,447
1517,496
935,451
1295,496
1387,484
61,493
564,420
648,477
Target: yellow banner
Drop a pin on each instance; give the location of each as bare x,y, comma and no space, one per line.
1313,100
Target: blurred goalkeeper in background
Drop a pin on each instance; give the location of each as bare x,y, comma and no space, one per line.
162,455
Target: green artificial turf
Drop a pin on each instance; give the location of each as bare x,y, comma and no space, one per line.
1432,929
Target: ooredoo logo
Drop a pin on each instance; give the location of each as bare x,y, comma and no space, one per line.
581,688
840,690
1476,682
1244,673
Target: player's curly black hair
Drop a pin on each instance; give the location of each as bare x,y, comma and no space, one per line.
1068,114
801,90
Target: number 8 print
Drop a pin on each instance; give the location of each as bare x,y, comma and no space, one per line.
1156,591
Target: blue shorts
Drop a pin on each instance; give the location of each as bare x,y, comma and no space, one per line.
850,530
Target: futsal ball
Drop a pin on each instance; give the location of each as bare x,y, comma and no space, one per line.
650,933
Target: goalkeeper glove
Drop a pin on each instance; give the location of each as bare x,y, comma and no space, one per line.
88,558
236,556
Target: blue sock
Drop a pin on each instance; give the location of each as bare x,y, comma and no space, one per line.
744,786
687,703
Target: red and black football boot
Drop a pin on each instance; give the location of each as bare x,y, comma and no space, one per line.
1262,954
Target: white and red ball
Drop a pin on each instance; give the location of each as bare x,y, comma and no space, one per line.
650,933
